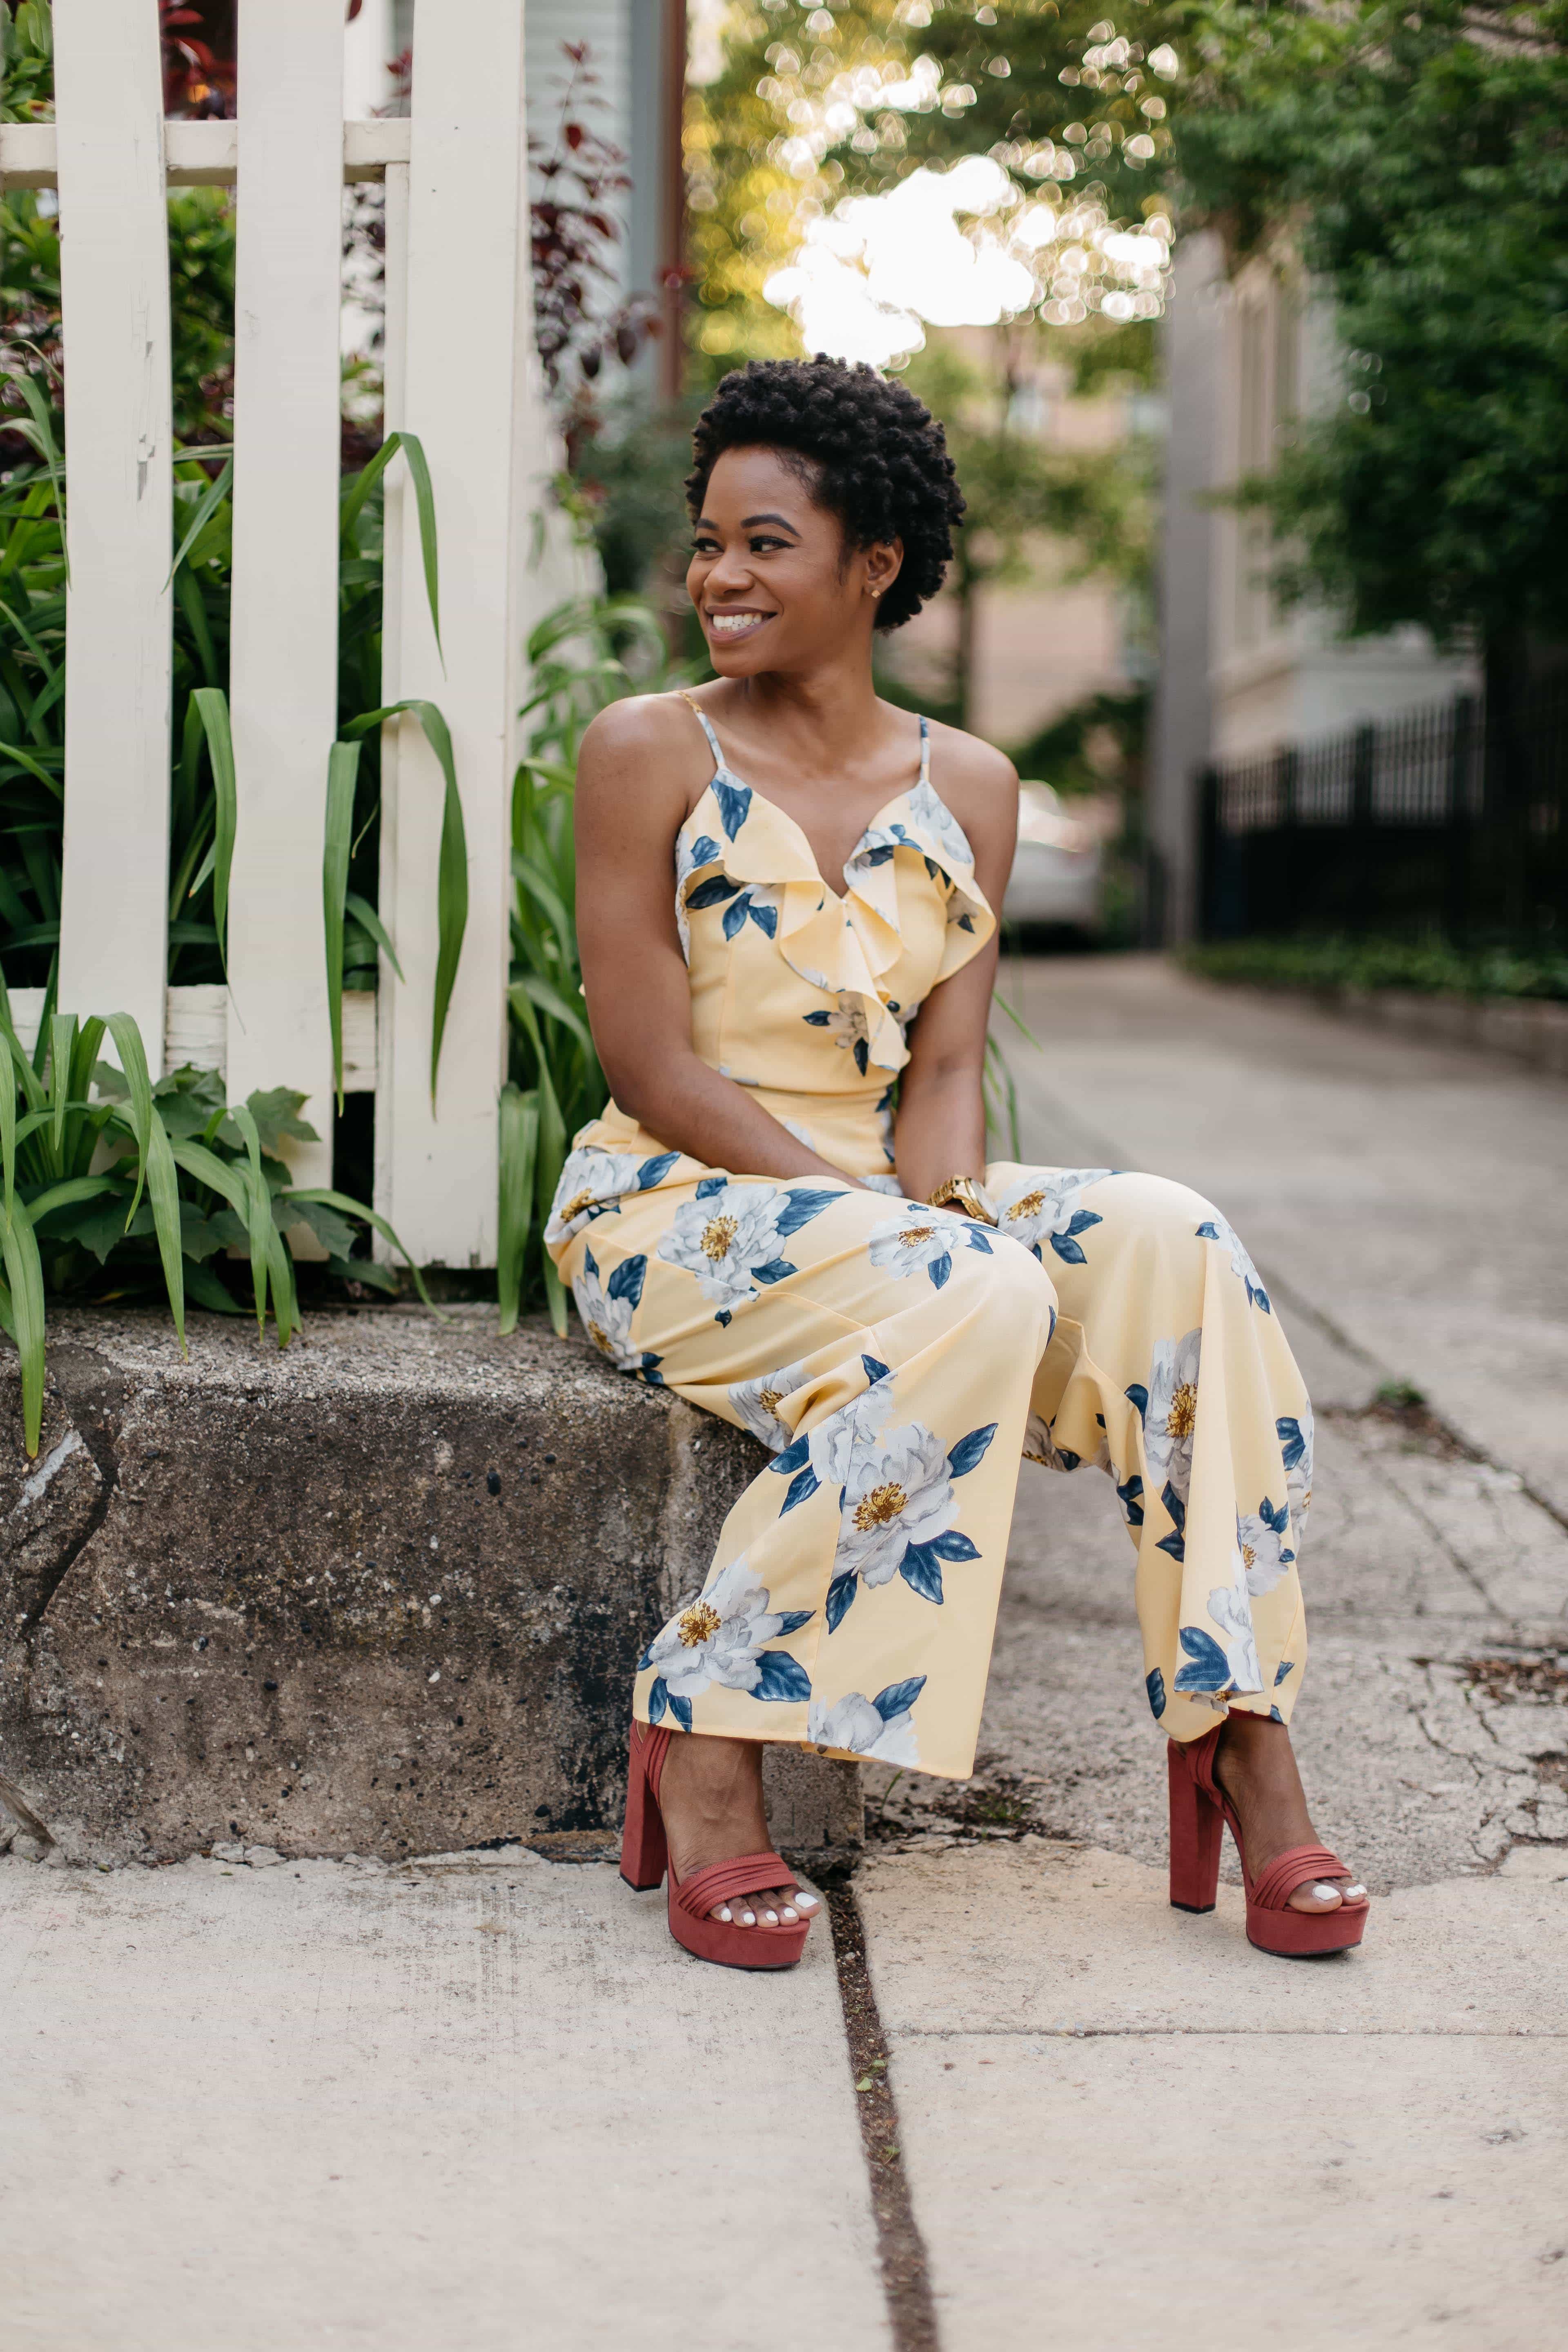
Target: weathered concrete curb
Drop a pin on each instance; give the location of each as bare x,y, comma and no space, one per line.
1532,1030
382,1593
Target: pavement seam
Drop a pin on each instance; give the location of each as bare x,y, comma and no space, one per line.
1223,2033
900,2249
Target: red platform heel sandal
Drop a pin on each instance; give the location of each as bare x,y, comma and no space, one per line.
644,1860
1200,1811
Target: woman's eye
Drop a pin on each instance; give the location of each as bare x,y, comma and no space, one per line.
762,545
704,547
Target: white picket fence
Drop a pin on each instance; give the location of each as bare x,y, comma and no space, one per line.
462,373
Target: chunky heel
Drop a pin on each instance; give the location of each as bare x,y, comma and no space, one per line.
644,1860
1196,1827
644,1849
1199,1811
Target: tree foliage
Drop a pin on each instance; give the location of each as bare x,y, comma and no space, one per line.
1419,160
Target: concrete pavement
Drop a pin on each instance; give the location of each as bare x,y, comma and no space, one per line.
483,2100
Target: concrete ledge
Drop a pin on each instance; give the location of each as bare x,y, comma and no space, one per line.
382,1593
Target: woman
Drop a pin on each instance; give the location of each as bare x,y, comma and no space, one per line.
786,1213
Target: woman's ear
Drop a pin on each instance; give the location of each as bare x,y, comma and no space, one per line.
883,562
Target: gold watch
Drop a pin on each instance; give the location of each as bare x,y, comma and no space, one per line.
969,1198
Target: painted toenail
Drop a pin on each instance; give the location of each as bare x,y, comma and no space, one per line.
1357,1894
748,1918
1326,1893
806,1902
726,1914
789,1912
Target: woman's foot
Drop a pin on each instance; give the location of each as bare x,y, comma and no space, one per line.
710,1795
1255,1766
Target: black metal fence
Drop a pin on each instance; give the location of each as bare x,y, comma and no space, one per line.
1447,819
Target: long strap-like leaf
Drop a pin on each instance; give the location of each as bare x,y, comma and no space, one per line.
212,704
452,864
518,1147
257,1211
357,491
207,505
25,1281
342,774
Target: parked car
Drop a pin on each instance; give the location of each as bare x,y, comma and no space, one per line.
1057,873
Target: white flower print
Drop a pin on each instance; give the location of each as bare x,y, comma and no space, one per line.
1170,1409
1039,1445
605,1310
1295,1437
882,1727
890,1185
1232,1612
692,851
847,1027
1038,1207
898,1493
1260,1536
933,816
1216,1228
755,1401
718,1638
732,1236
924,1241
593,1183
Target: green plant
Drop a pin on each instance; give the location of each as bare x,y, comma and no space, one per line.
111,1187
584,655
1429,966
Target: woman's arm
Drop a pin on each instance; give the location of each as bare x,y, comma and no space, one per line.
940,1129
637,776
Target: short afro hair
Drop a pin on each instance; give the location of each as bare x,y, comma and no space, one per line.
879,458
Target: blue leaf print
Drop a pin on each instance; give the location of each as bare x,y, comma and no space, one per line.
707,1185
966,922
1209,1669
1275,1715
862,1055
1131,1498
722,1317
777,1269
627,1281
980,1240
1209,1231
1067,1458
970,1450
657,1700
648,1370
802,1487
938,1269
816,1020
873,1370
922,1571
1174,1544
840,1594
766,919
1138,1395
804,1204
898,1698
792,1620
878,855
780,1677
646,1659
787,1463
734,802
681,1711
704,850
1066,1244
654,1171
1277,1519
1154,1684
735,917
952,1545
713,893
1292,1444
1288,1667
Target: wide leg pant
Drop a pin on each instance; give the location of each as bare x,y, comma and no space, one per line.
900,1361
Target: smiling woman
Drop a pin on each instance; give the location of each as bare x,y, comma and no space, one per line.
784,905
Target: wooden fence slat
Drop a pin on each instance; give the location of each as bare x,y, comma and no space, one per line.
114,269
479,413
283,679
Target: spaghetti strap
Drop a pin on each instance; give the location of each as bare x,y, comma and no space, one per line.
925,749
702,721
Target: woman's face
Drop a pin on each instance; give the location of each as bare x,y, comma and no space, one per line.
771,575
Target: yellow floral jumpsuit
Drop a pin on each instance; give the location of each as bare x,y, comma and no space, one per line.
899,1360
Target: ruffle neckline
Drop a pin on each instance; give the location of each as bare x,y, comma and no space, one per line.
842,943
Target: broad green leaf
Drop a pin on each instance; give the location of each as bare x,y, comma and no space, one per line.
276,1110
378,1224
206,1290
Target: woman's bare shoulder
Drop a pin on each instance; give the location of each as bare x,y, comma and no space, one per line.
643,755
978,783
643,724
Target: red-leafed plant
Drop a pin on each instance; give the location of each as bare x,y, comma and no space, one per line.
196,80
